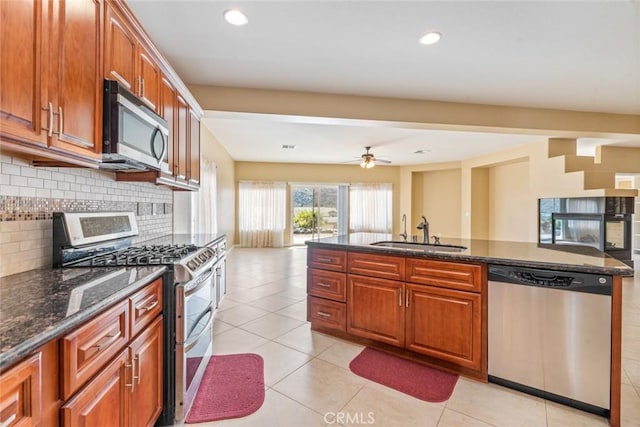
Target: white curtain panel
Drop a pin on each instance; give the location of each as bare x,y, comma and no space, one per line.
262,214
370,208
204,205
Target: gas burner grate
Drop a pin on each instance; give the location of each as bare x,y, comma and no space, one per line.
144,255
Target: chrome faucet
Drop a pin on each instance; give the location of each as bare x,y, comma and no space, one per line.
404,233
424,226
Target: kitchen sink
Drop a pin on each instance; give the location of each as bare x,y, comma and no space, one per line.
421,247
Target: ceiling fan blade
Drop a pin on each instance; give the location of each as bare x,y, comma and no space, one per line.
382,161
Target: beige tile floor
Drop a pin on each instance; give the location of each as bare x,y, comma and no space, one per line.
308,382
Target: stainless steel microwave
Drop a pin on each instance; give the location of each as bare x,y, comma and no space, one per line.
134,137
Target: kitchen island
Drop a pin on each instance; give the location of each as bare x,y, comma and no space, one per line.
431,305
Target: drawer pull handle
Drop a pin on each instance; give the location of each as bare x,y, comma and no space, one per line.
324,285
323,314
323,259
149,306
107,341
8,421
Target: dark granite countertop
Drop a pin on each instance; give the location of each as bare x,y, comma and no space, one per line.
39,305
565,258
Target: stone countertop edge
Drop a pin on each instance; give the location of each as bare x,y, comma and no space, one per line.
362,243
26,347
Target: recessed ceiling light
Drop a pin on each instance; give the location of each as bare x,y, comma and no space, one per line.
235,17
431,37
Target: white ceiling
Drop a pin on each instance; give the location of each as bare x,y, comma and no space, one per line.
574,55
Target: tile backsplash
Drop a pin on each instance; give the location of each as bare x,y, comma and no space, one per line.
30,195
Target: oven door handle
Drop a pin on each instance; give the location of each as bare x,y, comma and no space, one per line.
201,284
189,344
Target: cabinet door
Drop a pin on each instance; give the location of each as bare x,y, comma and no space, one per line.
375,309
23,41
145,305
445,324
146,351
150,76
194,149
105,400
20,394
168,112
77,76
181,136
119,49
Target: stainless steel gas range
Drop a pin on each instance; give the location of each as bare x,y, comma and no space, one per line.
193,286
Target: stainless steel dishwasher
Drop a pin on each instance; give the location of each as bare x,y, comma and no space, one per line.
549,335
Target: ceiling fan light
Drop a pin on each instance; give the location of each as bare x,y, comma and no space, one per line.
367,164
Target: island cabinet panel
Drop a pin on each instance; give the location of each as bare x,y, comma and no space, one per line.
445,324
452,275
327,314
327,284
21,394
375,309
383,266
327,259
88,348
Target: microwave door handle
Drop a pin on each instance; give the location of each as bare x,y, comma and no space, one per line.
157,131
165,144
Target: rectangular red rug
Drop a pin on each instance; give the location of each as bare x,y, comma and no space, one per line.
420,381
232,387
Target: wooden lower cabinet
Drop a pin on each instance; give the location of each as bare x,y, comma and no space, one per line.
445,324
146,392
375,309
128,392
327,314
21,394
104,401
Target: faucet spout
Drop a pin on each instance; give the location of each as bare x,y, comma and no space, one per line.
404,233
424,226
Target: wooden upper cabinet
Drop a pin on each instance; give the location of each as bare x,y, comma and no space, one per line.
77,76
51,78
181,140
149,78
23,42
119,49
128,61
168,112
194,149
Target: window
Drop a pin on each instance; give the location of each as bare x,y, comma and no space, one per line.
370,208
262,215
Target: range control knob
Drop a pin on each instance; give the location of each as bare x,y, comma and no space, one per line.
193,264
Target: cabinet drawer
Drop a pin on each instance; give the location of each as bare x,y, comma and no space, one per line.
327,284
87,349
20,394
466,277
383,266
327,259
327,314
145,306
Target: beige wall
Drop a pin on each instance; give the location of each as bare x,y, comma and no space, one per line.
436,194
213,151
512,208
319,174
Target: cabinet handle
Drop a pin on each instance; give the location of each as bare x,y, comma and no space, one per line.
323,314
142,87
8,421
136,361
133,383
139,86
60,121
149,306
400,297
324,285
322,259
107,341
406,300
49,127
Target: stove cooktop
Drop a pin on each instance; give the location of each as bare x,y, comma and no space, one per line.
141,255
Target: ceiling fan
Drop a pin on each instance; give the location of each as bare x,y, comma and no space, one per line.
369,160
